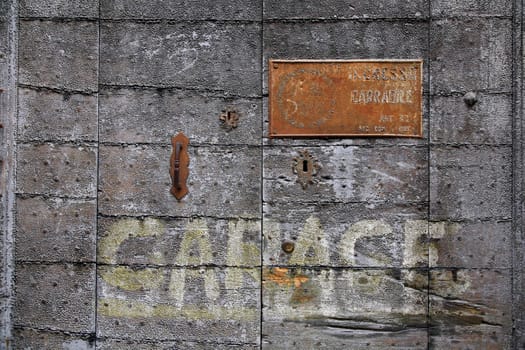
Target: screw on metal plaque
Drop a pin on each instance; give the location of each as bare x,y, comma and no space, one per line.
305,166
229,118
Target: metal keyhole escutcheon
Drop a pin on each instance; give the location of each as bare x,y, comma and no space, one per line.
306,167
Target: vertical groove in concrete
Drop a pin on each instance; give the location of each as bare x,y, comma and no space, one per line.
429,126
8,106
95,330
518,333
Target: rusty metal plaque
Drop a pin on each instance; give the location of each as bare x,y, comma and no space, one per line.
342,98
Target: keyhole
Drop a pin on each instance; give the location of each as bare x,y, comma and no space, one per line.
305,166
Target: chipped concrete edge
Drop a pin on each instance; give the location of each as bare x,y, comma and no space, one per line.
7,180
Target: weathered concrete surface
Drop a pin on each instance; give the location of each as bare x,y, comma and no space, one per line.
367,264
30,339
182,9
46,115
58,170
55,230
346,235
470,308
223,182
179,242
451,244
60,55
57,297
190,304
487,122
8,105
58,8
129,115
451,8
299,310
348,174
170,345
470,182
330,9
486,55
197,55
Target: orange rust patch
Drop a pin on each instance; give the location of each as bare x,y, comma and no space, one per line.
282,277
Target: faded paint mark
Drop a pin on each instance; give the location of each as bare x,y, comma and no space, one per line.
364,228
111,307
130,279
123,230
415,252
439,230
196,236
311,246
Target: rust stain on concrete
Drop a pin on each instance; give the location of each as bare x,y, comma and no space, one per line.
283,277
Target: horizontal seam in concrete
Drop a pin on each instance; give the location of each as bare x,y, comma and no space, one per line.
53,331
25,195
204,91
58,19
62,91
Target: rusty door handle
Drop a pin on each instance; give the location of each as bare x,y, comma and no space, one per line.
176,180
179,162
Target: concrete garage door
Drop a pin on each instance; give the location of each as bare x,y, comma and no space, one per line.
395,243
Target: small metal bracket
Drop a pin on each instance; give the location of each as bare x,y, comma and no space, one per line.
229,118
306,167
179,162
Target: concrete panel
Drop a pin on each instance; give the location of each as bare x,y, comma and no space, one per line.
223,182
333,9
58,8
470,309
339,235
483,61
62,55
484,244
57,297
348,174
186,304
182,9
47,115
58,170
149,345
334,309
55,230
151,115
487,122
470,183
445,8
30,339
182,242
202,55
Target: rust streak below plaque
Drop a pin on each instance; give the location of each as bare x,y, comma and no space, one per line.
341,98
